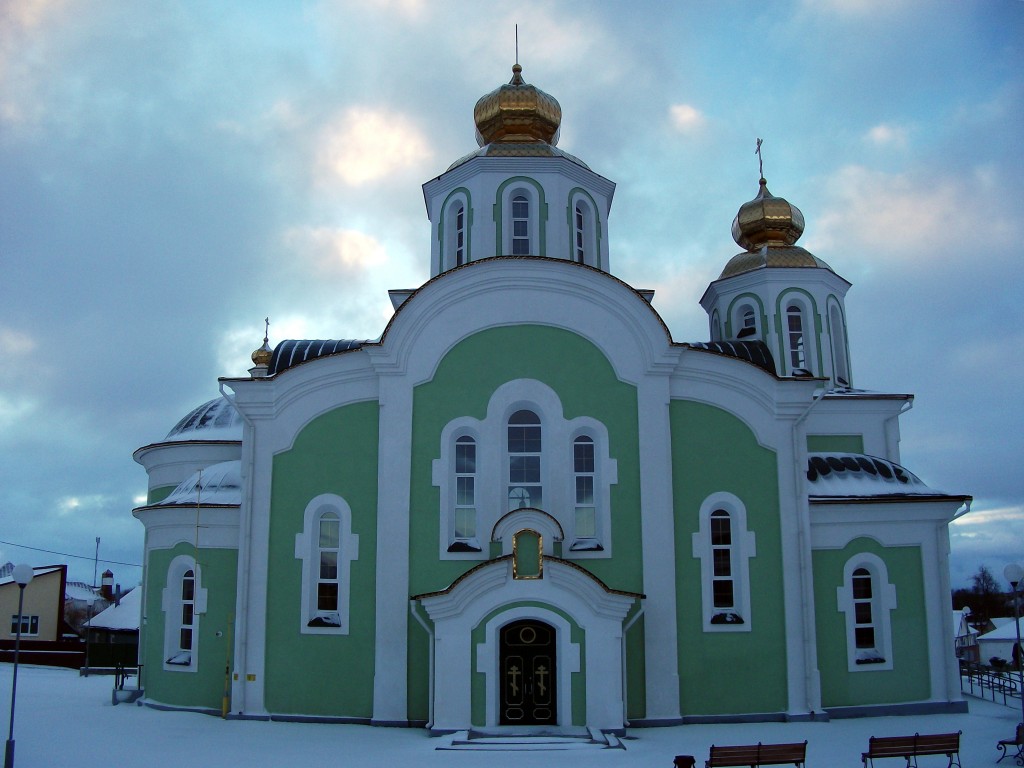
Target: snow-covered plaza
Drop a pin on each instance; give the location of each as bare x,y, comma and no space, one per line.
62,719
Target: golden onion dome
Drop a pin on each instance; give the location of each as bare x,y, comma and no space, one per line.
263,355
518,113
768,227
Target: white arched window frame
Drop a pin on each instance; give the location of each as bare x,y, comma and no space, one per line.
521,218
455,242
716,326
586,534
326,547
584,240
798,334
183,601
724,547
866,599
840,354
493,481
746,319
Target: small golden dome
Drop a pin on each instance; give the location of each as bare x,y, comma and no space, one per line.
517,112
768,227
767,220
262,355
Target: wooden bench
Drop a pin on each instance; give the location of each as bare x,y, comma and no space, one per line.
1017,741
758,754
911,747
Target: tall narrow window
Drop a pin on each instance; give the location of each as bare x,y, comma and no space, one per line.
840,370
724,546
722,586
580,236
460,236
329,548
867,599
520,226
326,546
465,488
188,605
583,466
524,461
795,337
864,625
183,603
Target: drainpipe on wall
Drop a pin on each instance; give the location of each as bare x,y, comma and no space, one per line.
430,666
812,686
241,607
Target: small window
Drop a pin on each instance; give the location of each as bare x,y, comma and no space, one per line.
520,226
460,236
867,599
326,546
29,625
525,488
795,338
724,547
465,495
840,369
748,324
580,250
585,533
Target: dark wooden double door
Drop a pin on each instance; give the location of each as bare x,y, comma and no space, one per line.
528,679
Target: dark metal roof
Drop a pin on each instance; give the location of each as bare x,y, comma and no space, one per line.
291,352
755,352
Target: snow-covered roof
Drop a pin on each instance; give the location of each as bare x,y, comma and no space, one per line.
79,590
213,420
218,484
127,615
1006,632
7,577
857,475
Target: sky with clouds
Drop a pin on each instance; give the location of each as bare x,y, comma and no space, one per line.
173,172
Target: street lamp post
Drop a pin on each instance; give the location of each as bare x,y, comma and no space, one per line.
22,575
1014,574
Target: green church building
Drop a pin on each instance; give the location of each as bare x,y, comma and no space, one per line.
526,505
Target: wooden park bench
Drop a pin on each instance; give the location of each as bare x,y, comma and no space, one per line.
1005,745
758,754
912,747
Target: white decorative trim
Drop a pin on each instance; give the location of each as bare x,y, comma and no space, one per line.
533,519
557,472
170,604
307,550
743,548
883,601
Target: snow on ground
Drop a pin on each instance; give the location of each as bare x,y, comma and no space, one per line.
62,719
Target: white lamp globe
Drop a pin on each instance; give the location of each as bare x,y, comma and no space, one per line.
22,574
1013,574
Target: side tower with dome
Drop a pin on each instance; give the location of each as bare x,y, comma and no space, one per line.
525,505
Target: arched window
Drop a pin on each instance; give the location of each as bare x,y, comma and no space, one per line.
326,546
520,226
465,492
724,546
580,251
585,533
184,601
840,368
748,323
716,326
524,448
795,338
866,598
460,236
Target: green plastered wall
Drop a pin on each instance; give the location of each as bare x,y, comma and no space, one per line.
835,443
478,684
335,453
908,680
463,384
156,495
203,688
727,672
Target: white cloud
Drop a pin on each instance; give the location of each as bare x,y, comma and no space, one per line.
15,410
686,118
364,145
912,216
14,342
887,135
332,252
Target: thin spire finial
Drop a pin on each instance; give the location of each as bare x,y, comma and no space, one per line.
760,159
517,43
266,330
